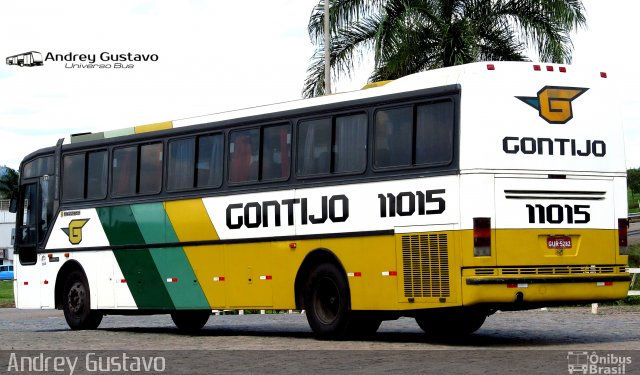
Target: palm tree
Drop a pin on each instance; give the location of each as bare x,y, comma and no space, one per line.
9,180
409,36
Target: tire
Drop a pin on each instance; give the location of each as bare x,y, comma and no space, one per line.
451,323
327,302
76,303
190,321
363,326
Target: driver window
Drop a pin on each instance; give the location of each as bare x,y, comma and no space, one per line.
46,212
28,234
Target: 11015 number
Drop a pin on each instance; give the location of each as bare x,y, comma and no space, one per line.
556,214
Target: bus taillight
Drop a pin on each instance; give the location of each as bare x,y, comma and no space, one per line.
623,228
481,236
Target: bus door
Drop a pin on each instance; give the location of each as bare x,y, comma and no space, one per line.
35,207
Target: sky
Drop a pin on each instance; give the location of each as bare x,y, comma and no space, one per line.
212,56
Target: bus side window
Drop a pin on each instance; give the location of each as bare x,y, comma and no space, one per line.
181,162
73,177
210,161
314,147
97,174
243,155
150,168
434,133
350,150
393,137
125,168
276,152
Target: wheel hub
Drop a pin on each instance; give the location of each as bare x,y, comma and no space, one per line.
328,298
76,296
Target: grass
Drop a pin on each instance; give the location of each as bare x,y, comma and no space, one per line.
634,256
6,294
634,201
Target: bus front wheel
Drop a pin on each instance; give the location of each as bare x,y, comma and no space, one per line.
76,303
326,301
190,321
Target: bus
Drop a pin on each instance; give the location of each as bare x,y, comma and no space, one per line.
31,58
443,196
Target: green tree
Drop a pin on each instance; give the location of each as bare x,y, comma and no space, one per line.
633,180
9,180
409,36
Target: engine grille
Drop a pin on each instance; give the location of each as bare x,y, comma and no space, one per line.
425,263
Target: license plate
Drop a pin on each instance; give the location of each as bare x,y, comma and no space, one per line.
559,242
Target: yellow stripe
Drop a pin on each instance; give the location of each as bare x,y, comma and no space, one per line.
154,127
192,223
375,84
190,220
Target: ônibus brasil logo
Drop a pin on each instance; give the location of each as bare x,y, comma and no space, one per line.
554,102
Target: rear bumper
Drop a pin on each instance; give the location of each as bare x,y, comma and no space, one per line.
552,290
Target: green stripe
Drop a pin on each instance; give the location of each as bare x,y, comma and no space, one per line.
138,267
156,227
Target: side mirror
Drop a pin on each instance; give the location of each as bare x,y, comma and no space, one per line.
13,204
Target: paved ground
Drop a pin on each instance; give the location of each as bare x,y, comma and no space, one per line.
634,233
536,341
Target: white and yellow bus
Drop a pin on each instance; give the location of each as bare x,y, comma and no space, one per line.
444,196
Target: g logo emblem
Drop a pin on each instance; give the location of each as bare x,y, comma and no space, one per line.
554,103
74,230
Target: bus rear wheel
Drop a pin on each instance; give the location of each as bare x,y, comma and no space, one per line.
326,301
76,303
451,323
363,325
190,321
